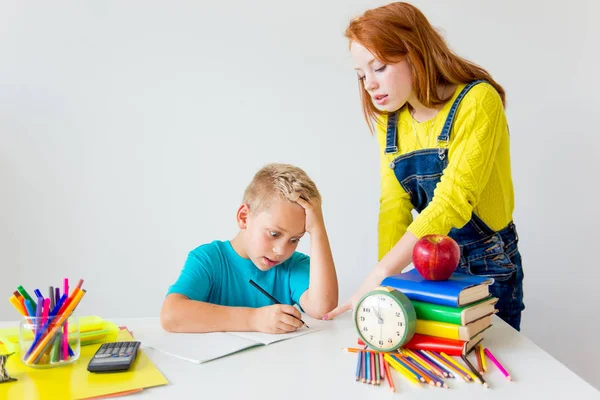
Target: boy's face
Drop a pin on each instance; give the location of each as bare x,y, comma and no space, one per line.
272,235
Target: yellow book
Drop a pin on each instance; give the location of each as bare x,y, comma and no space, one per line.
453,331
73,381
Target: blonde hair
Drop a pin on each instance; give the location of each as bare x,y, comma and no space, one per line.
279,181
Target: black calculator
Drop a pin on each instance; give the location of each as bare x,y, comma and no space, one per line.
114,357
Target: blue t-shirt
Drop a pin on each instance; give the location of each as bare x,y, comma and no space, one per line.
215,273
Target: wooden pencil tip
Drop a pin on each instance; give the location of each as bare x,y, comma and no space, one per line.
485,385
509,378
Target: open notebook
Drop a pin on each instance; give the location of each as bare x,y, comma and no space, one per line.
202,347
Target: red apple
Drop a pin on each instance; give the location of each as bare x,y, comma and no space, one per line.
436,257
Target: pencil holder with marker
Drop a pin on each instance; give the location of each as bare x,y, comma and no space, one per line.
52,341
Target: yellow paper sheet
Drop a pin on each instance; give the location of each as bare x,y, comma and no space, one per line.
74,381
92,329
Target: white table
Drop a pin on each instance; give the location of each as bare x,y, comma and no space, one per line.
313,366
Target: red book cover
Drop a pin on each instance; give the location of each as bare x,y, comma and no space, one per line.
449,346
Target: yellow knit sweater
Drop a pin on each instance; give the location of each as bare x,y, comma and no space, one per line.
477,178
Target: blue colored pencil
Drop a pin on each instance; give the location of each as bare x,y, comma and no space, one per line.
358,365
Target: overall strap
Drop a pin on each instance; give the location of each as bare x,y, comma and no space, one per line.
444,137
391,135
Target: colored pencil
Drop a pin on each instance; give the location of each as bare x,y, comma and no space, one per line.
17,305
497,363
478,358
439,364
388,375
437,381
26,296
457,365
65,337
377,379
358,365
428,376
355,350
475,372
482,356
368,366
418,356
403,371
448,365
39,345
402,362
363,371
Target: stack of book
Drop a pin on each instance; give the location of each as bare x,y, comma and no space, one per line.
452,315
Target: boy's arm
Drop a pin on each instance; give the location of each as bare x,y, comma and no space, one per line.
181,314
322,293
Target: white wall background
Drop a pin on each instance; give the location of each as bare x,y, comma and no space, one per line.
129,129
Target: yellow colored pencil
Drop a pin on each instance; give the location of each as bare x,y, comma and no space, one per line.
482,355
457,365
450,366
17,304
403,371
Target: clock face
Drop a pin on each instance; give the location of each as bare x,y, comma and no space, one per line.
381,321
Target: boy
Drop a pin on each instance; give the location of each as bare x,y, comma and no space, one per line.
213,292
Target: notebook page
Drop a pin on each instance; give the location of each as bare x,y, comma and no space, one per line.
196,347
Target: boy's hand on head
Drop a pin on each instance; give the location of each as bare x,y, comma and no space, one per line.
314,214
278,318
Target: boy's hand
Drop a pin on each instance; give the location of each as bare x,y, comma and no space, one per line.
314,214
278,318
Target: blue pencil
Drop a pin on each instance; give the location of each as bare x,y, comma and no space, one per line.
411,370
358,365
30,308
368,365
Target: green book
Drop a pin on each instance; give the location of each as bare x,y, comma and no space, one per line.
455,315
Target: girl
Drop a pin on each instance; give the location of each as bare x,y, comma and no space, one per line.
442,131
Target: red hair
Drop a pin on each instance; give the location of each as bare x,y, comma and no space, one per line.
400,31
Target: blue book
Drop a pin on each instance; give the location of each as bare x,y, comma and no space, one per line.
459,290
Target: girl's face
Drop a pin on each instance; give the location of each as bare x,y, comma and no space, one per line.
389,85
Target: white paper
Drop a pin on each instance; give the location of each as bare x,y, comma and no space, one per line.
202,347
268,338
196,347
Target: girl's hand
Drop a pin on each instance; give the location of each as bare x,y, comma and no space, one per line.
348,306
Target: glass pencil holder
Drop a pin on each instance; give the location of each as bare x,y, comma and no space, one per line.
48,342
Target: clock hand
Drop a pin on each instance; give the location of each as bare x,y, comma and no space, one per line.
378,313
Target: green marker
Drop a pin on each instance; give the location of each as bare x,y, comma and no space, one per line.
26,296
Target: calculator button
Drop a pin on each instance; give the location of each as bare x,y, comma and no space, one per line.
102,355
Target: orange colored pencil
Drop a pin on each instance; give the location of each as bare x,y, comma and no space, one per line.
388,375
355,350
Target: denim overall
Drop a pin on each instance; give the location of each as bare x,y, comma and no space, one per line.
484,251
